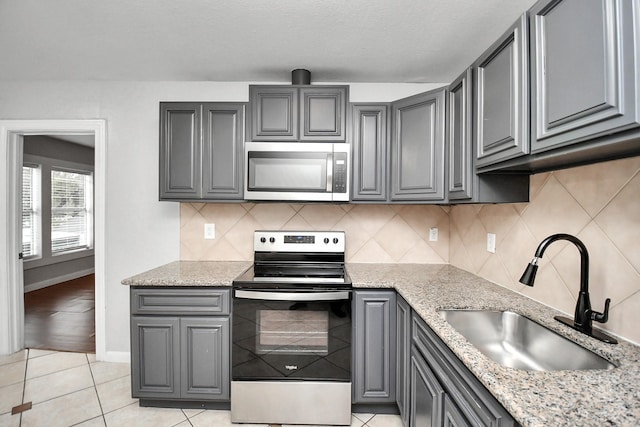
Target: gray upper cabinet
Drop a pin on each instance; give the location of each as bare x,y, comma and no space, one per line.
501,102
464,184
274,113
222,151
180,150
298,113
460,170
584,81
370,147
323,114
417,147
374,360
201,151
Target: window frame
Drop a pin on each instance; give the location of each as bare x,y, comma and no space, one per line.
88,210
35,211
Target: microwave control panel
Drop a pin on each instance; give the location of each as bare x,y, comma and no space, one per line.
339,172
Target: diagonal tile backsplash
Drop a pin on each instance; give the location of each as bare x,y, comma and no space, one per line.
375,233
600,204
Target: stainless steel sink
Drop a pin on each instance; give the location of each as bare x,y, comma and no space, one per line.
516,341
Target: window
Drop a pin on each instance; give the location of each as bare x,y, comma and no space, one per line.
31,211
71,210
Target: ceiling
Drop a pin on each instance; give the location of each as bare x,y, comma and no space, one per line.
404,41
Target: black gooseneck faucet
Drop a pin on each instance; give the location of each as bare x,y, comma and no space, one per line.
584,315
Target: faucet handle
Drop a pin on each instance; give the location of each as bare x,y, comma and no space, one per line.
601,317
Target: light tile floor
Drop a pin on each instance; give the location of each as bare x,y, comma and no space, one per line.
73,389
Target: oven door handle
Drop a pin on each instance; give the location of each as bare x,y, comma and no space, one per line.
292,296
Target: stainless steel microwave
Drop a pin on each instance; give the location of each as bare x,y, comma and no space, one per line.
297,171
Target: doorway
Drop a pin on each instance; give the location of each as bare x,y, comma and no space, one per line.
12,134
58,242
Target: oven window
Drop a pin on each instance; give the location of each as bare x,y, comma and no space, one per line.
293,332
274,340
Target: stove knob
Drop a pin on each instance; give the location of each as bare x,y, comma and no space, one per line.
335,240
272,239
263,239
326,240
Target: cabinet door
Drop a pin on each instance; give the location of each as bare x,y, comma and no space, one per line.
180,151
222,151
205,358
403,359
583,80
501,102
274,113
374,361
370,152
469,398
460,170
451,416
417,147
427,396
323,115
155,357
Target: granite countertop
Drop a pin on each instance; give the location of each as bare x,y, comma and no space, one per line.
552,398
190,273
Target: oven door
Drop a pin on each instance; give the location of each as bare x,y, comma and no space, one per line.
291,335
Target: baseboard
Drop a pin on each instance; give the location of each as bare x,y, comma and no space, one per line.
55,280
116,357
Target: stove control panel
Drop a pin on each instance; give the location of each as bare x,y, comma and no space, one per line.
298,241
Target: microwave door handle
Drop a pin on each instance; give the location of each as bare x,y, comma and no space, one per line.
292,296
329,172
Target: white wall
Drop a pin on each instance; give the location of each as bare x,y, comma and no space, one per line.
141,232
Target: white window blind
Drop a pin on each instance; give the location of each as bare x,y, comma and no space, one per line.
31,211
71,210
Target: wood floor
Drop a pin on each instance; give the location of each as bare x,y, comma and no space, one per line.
62,317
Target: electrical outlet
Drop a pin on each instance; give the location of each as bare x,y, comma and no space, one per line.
209,231
433,234
491,243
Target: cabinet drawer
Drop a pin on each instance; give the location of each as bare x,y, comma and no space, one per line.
180,301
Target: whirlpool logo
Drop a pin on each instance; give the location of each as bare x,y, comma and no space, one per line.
291,367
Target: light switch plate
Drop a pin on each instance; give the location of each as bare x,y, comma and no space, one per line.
491,243
433,234
209,231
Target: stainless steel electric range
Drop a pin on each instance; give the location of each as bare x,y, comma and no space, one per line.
291,331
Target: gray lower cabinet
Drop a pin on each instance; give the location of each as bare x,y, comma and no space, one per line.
374,338
201,151
426,404
403,357
180,344
204,352
464,184
443,391
298,113
584,75
501,101
417,147
370,152
155,357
